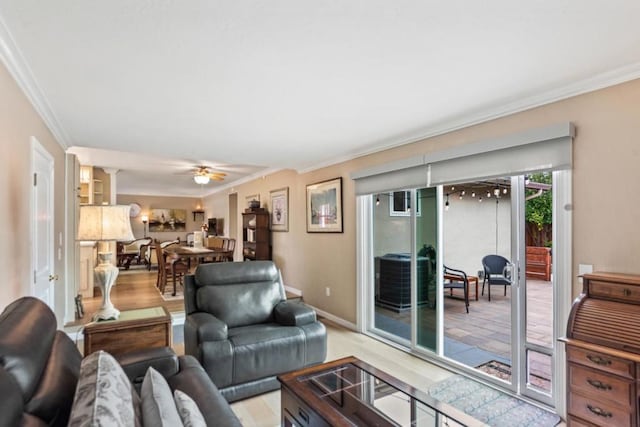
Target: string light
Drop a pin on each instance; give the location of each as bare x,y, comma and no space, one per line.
504,190
480,199
377,200
473,194
446,204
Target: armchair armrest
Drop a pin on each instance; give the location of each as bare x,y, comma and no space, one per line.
136,363
206,326
294,314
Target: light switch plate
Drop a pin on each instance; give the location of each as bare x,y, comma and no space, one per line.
584,269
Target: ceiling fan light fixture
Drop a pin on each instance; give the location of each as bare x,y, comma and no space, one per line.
201,179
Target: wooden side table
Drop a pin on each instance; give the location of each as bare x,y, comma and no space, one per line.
134,330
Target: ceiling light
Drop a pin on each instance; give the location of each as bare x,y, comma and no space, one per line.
201,179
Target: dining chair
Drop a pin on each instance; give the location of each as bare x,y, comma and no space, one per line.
168,264
496,272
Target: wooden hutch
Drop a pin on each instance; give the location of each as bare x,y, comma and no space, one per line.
256,236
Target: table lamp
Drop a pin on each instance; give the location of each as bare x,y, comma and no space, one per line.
105,224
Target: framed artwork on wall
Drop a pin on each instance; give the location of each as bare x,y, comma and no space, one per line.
324,207
167,220
280,209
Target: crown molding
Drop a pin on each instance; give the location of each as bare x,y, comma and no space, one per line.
230,186
591,84
21,73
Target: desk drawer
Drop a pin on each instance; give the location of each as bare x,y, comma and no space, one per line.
601,361
616,291
601,386
599,412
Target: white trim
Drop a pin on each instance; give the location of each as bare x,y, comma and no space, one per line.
591,84
178,318
22,74
364,257
562,279
335,319
294,291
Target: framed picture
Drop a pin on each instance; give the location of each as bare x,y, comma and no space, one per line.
280,209
167,220
324,207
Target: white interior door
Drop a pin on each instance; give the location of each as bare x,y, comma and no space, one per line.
42,217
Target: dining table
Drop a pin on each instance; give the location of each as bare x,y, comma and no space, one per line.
175,253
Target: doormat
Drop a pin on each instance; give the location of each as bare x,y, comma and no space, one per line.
503,371
489,405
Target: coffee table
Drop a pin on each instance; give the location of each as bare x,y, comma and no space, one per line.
349,392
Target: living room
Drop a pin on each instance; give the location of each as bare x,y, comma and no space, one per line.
602,106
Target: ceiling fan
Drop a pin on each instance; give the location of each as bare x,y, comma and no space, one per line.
203,174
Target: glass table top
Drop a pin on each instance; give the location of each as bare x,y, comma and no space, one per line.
366,400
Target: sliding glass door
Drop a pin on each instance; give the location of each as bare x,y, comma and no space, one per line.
463,272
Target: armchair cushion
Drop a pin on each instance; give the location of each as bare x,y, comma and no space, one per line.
294,314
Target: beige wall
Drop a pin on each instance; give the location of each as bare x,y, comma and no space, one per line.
605,189
18,123
159,202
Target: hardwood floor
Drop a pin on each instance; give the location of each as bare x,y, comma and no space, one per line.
136,289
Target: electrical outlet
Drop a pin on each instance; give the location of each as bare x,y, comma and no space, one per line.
328,291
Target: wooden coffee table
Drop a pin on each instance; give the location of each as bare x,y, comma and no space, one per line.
349,392
134,330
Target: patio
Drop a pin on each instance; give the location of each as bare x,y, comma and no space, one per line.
483,335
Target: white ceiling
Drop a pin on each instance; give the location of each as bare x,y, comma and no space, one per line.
299,83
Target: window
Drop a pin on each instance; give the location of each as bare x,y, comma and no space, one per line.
400,204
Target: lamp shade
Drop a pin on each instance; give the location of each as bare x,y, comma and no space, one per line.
103,223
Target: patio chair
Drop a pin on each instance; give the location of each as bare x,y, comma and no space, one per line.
456,279
495,272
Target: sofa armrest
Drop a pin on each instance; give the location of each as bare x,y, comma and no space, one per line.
195,382
207,327
136,363
294,314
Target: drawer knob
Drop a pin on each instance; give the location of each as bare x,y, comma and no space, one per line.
599,411
598,360
626,292
598,384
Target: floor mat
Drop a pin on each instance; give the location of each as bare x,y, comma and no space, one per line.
489,405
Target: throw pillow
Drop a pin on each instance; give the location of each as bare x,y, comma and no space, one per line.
158,407
188,409
103,395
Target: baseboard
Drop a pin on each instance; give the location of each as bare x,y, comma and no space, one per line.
335,319
294,291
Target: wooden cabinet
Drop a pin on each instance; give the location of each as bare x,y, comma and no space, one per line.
256,236
134,330
603,352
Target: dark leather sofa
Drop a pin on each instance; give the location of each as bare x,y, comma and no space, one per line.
39,368
243,331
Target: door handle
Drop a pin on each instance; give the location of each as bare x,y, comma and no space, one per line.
53,277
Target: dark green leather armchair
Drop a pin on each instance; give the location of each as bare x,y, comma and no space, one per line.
243,331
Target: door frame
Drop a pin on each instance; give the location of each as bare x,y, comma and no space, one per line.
37,147
562,280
